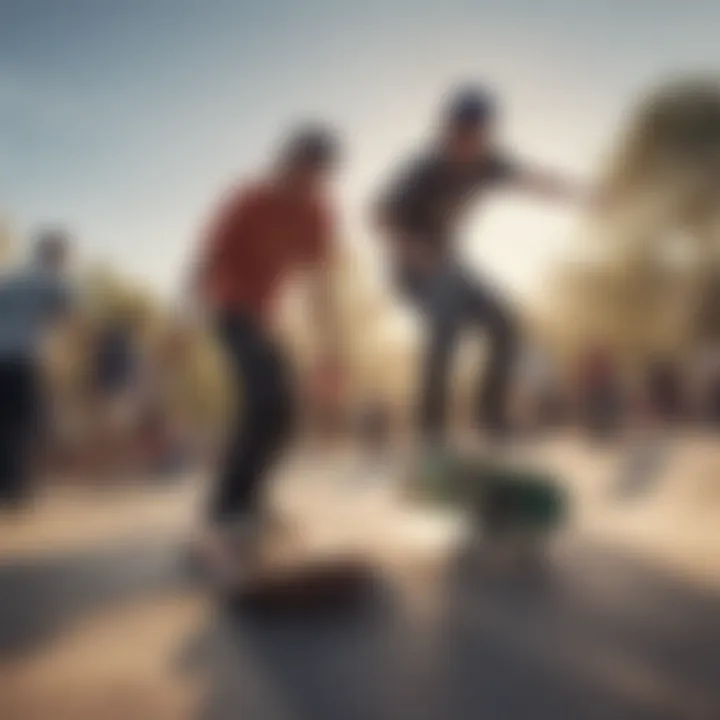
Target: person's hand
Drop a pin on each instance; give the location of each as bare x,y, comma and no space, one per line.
327,380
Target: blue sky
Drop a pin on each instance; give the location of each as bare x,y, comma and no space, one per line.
124,119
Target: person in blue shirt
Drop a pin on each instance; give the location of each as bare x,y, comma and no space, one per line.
33,299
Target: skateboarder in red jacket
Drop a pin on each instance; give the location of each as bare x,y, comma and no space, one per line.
263,232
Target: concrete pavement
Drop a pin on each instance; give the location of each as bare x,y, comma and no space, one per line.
611,632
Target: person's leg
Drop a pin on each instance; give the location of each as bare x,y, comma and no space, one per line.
441,298
262,421
6,432
485,308
18,430
228,546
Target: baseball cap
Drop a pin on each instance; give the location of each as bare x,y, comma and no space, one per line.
470,106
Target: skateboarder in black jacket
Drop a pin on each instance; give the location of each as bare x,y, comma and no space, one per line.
419,215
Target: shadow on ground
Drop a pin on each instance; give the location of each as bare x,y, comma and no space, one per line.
601,636
43,597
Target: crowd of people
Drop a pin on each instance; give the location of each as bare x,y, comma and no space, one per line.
600,395
83,395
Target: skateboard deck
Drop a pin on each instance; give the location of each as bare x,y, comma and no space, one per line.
307,584
500,494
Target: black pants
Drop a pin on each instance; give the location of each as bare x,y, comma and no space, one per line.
451,302
263,418
19,428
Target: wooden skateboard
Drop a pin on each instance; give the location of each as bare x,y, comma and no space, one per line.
306,585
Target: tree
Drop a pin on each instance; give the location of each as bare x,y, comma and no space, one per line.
660,236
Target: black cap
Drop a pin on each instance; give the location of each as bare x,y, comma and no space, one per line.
470,106
312,144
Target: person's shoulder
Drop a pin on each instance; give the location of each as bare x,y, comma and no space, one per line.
246,193
33,285
10,276
21,280
257,190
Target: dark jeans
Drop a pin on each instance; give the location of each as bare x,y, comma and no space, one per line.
451,302
19,428
263,417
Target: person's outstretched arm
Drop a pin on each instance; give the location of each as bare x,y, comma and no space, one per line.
552,186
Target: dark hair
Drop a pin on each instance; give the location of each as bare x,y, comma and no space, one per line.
51,244
470,106
312,144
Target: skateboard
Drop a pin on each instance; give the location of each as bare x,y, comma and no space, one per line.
310,585
284,574
510,504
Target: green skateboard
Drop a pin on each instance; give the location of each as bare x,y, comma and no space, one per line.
509,502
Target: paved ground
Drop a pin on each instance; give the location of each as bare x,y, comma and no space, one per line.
97,618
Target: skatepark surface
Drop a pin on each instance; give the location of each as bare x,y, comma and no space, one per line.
98,617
